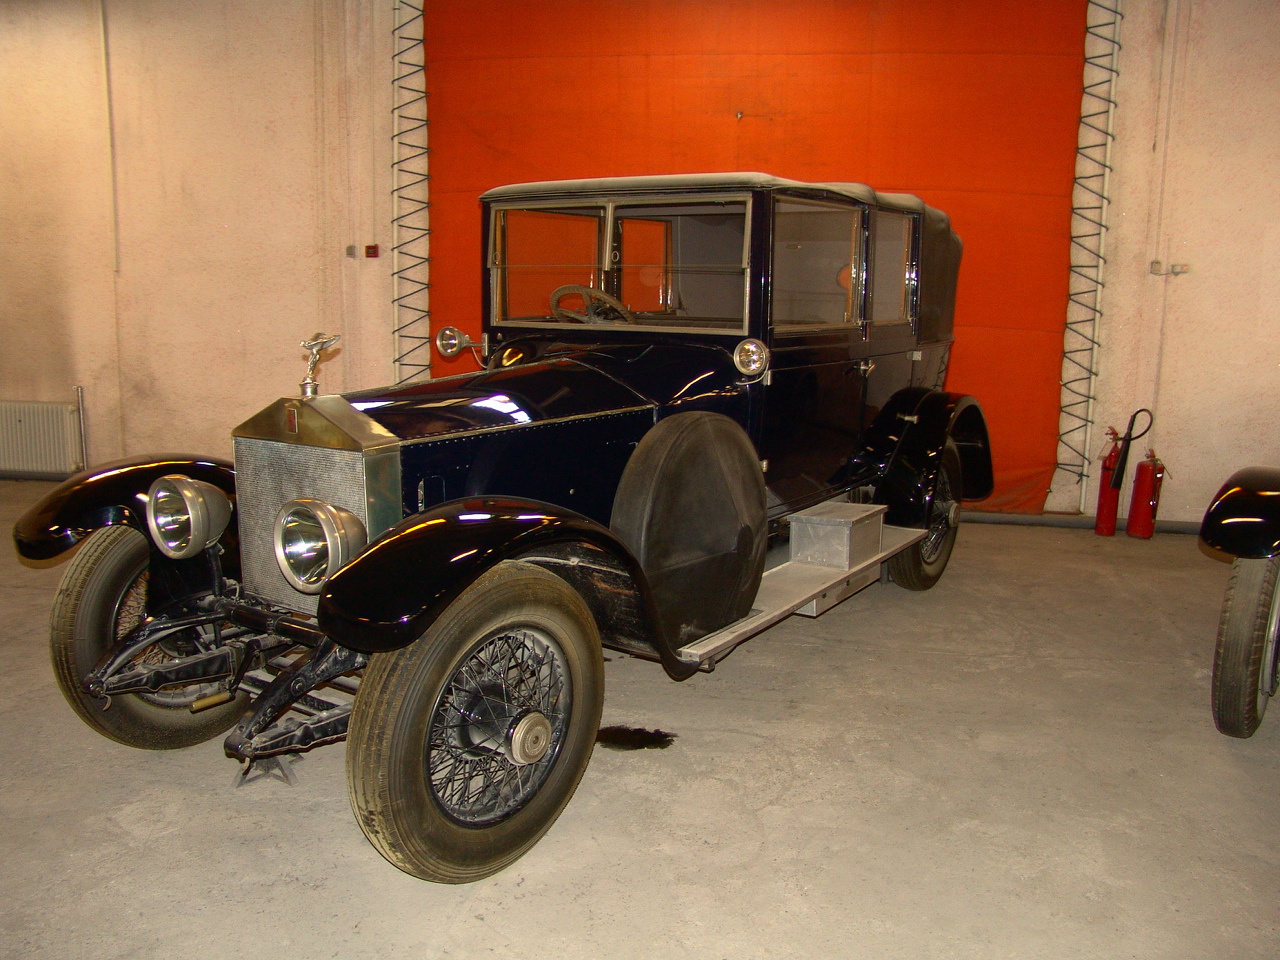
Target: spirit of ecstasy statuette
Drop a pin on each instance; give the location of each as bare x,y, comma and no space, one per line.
317,343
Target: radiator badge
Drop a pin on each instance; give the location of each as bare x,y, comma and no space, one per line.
318,342
291,419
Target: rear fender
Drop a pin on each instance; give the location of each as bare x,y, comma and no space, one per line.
905,443
1244,518
392,592
112,493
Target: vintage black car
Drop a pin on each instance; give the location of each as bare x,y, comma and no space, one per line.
675,370
1243,525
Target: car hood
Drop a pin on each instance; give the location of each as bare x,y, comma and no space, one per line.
548,381
668,374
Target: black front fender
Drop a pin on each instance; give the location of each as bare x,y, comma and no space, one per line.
1244,518
112,493
391,593
905,444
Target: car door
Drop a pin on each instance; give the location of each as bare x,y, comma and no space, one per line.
892,293
815,396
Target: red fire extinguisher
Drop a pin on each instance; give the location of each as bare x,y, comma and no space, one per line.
1113,465
1108,496
1147,477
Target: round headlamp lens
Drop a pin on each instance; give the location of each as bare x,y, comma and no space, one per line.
751,357
170,517
185,516
450,341
314,540
303,544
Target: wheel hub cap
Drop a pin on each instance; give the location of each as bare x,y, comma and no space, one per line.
529,738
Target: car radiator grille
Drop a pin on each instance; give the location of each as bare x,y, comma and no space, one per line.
268,475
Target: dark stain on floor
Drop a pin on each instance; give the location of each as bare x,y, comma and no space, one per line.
634,738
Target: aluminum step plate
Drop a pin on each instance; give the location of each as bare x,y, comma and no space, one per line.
796,587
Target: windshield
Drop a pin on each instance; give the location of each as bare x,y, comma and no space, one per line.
674,264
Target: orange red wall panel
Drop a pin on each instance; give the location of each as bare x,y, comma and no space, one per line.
971,104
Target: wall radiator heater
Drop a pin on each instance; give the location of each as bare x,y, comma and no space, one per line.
41,440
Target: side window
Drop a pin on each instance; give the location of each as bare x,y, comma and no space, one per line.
892,268
817,264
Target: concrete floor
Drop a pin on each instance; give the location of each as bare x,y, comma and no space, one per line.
1018,763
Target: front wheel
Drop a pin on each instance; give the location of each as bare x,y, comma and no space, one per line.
102,597
1244,663
921,565
465,746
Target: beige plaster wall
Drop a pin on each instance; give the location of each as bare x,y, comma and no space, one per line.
251,148
1195,166
57,279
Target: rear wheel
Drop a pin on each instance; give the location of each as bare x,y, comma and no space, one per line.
465,746
920,566
1244,664
102,597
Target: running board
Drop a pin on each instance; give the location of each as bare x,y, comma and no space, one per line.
836,550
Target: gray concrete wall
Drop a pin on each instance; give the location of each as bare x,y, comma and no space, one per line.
181,183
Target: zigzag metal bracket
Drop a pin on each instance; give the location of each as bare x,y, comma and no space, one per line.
1088,240
411,247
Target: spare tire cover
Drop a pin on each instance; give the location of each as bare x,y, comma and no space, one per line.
691,507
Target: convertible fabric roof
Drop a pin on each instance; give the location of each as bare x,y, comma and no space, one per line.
675,183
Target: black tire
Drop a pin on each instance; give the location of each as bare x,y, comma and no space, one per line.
435,769
103,596
691,508
920,566
1244,663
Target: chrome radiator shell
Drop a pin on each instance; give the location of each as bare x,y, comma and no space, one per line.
320,448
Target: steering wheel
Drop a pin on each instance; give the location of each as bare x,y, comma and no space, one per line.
598,306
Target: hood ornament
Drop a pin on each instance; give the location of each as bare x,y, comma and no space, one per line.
317,343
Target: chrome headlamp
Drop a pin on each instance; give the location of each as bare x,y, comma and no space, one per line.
451,341
751,357
185,516
314,540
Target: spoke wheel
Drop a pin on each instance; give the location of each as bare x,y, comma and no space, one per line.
102,597
920,566
497,727
465,746
1244,664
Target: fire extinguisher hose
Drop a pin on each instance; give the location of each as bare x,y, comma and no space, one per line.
1117,476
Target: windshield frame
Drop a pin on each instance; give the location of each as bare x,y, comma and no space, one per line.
496,271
